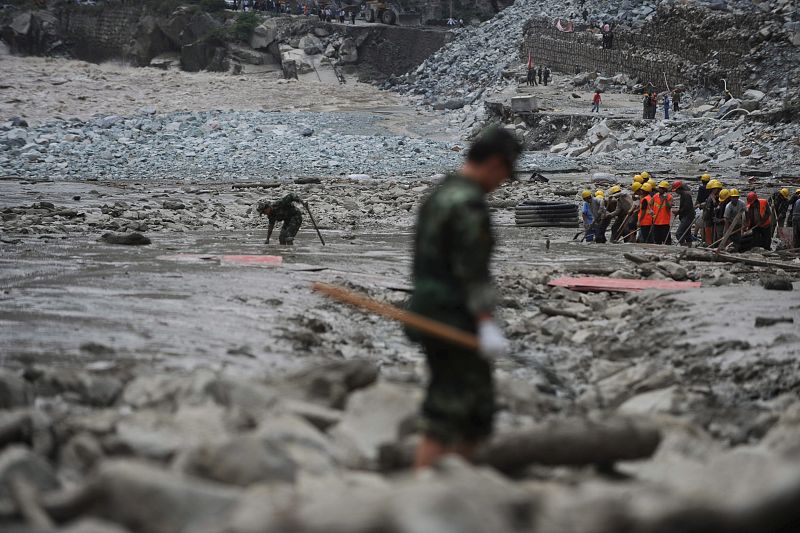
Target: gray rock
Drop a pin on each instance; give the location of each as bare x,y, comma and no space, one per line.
264,35
330,384
159,435
348,51
311,45
673,270
80,454
776,283
14,390
372,419
309,448
264,508
144,497
20,461
128,239
86,388
727,107
243,460
173,205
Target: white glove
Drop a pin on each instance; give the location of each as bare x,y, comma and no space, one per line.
491,341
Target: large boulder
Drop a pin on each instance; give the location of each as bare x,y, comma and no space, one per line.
185,26
158,435
264,35
246,55
83,387
31,32
209,54
14,390
331,383
19,461
751,99
727,107
149,41
144,497
348,51
309,448
373,418
243,460
311,44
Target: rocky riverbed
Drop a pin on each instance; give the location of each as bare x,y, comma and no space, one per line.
191,380
141,379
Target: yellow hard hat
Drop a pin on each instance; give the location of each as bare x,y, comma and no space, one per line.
586,194
635,186
651,181
599,194
714,184
616,188
785,193
647,187
723,194
638,178
663,185
797,191
734,193
705,178
645,175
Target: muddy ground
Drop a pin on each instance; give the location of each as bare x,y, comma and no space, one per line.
164,326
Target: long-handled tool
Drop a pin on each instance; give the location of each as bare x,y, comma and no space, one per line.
724,240
425,325
694,220
314,223
615,236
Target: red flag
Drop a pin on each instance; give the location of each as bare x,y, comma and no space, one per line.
530,59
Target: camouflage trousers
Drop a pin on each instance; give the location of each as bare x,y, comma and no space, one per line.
290,228
459,405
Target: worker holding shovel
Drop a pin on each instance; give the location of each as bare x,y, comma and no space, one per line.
452,285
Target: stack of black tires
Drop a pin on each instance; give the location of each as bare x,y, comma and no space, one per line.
533,214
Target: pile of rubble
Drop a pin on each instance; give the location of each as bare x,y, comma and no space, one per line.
115,449
739,144
119,447
473,64
218,145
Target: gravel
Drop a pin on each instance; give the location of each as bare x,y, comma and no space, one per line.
219,145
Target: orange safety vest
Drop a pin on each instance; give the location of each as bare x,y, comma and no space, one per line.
662,209
763,209
645,216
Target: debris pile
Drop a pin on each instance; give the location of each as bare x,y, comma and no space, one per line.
743,144
218,145
210,451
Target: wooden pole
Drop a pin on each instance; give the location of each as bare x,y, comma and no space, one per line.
314,223
425,325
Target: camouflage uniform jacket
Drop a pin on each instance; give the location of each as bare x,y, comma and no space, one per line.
453,245
284,209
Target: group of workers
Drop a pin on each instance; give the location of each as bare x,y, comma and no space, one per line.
647,212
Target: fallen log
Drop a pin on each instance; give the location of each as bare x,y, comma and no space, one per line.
572,442
692,254
567,442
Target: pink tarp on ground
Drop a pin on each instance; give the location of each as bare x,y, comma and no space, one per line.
597,284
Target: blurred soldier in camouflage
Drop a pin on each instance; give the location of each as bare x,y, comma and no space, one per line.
284,211
452,248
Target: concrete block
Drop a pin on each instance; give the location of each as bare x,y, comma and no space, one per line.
524,104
